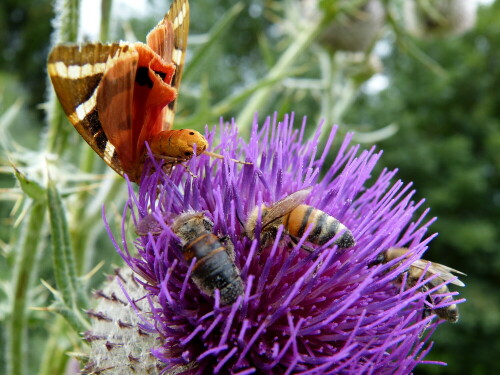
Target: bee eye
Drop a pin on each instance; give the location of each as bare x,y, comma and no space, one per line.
378,260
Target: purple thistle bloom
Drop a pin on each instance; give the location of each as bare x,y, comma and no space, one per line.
321,312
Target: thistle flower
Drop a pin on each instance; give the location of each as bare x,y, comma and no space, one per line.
305,308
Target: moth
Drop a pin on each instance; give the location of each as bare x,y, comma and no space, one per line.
120,95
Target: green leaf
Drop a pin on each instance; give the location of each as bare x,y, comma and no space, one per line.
72,292
30,187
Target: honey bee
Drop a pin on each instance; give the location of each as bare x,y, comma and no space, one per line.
416,273
296,218
214,267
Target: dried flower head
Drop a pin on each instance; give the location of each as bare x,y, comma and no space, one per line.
117,322
305,306
440,17
352,31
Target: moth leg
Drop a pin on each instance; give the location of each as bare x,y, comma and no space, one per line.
189,170
171,161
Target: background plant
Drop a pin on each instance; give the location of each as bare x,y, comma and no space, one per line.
436,120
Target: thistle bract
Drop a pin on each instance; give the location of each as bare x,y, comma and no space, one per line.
305,308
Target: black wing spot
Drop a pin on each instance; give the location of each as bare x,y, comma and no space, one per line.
142,77
161,75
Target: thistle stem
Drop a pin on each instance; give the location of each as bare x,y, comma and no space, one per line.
24,271
65,31
284,64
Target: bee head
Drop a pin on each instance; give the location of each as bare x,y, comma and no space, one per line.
251,221
190,225
380,259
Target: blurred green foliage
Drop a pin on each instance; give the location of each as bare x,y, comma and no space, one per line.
24,36
448,143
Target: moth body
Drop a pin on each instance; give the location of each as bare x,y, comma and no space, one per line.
178,144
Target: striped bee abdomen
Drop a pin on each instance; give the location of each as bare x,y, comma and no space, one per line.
214,269
324,226
449,312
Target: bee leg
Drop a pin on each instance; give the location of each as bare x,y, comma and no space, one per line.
217,156
427,311
427,304
295,242
143,234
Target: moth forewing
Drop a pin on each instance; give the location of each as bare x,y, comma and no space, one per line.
114,107
76,73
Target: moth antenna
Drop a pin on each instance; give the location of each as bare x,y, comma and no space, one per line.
217,156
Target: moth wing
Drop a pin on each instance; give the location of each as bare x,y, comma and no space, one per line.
173,49
285,205
115,106
76,71
445,273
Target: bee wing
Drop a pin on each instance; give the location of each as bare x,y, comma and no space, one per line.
285,205
445,272
148,224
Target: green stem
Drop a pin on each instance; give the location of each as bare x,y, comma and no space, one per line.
282,66
78,212
24,271
66,31
111,190
66,278
54,357
105,16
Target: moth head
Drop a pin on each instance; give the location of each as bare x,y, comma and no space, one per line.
178,144
191,138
